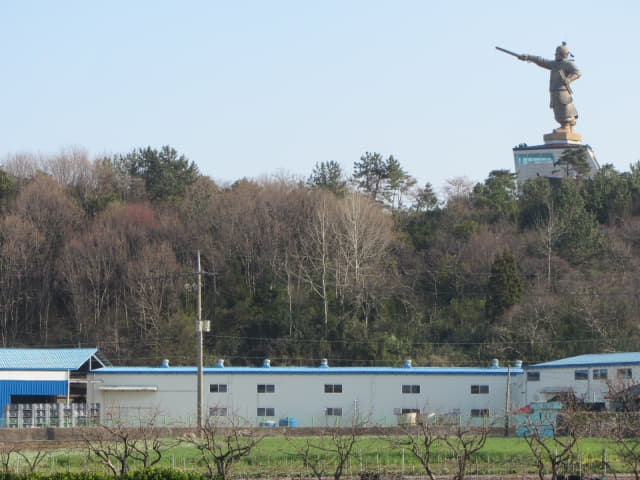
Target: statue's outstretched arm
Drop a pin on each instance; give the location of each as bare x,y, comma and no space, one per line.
541,62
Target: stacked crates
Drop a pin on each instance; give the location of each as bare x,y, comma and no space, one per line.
11,413
41,415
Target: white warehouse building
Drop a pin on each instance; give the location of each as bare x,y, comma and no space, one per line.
589,377
308,396
304,396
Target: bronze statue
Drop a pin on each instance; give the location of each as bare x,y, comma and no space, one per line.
563,72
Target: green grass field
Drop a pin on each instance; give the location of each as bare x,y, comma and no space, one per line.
276,457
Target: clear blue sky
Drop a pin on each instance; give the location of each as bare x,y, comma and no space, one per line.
252,88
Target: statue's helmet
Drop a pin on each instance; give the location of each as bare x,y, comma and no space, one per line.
562,51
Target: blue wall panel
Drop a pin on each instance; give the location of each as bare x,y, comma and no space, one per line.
29,387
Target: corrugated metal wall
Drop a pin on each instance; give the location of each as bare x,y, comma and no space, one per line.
29,387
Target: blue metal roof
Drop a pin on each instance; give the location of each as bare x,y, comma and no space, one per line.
45,358
592,359
311,370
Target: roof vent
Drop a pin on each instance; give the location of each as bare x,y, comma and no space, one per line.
165,363
266,363
407,363
495,363
518,364
324,363
220,363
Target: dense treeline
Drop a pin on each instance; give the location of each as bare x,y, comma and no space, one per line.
366,269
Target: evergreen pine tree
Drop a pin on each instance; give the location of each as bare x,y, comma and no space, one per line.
504,289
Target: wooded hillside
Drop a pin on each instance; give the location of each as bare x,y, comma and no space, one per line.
362,267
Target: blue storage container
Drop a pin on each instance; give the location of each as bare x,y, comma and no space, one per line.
288,422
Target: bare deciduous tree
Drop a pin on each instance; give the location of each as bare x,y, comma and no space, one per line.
421,439
458,191
624,424
548,232
623,391
18,247
33,459
6,451
364,235
552,437
119,441
317,249
72,168
329,451
222,441
464,441
626,432
46,211
152,280
21,166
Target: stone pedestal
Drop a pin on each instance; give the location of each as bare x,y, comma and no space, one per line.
563,135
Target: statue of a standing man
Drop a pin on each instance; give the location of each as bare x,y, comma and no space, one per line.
563,72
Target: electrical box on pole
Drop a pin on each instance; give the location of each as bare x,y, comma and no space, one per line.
203,325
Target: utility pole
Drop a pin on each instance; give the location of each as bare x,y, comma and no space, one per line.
201,327
507,402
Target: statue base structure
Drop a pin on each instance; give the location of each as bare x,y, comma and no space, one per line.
563,135
541,160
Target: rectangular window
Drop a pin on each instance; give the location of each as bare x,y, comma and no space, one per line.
218,388
600,374
218,412
333,411
333,388
533,376
266,412
479,412
402,411
624,373
410,388
266,388
581,375
479,389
